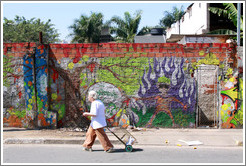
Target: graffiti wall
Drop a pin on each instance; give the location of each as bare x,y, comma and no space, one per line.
231,106
145,85
25,74
14,111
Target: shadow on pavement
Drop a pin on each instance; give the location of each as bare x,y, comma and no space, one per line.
7,130
121,150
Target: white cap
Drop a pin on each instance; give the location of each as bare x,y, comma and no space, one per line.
93,94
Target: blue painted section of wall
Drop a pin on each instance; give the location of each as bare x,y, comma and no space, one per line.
29,86
41,78
45,117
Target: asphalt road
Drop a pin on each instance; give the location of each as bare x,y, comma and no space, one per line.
41,153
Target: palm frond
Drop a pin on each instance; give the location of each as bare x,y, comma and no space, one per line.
127,27
232,12
231,9
218,11
223,31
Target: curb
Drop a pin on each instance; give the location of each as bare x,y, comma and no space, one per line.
115,142
48,141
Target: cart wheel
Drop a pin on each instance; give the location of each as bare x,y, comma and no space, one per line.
128,148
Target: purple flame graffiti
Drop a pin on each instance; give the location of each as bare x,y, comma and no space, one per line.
150,86
181,86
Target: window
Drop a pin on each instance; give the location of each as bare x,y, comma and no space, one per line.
190,12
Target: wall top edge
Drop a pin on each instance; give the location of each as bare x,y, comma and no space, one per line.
72,45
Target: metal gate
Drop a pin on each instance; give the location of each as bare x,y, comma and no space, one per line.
207,96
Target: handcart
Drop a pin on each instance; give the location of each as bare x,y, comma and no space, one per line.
124,137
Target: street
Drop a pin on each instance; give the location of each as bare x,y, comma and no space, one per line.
51,153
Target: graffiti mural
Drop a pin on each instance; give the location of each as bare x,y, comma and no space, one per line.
127,87
230,106
30,97
35,82
13,90
45,116
168,93
69,79
56,90
144,85
112,98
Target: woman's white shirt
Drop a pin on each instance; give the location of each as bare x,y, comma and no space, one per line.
98,109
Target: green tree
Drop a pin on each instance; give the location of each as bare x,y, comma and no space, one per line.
171,17
229,11
145,30
87,29
22,30
125,29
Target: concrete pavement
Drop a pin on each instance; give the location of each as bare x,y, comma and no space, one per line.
150,136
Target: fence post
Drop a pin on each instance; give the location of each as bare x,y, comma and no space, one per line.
40,38
197,106
35,91
238,22
35,82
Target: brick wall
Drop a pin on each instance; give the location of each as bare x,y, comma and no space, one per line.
145,85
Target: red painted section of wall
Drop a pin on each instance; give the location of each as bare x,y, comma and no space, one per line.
18,49
76,51
100,50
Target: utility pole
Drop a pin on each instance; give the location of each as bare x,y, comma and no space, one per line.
238,23
40,38
35,82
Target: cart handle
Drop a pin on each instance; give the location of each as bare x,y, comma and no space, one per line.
116,136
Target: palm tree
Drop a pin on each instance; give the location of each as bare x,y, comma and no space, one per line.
145,30
230,12
126,28
171,17
87,29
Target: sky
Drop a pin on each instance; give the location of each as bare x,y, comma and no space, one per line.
63,13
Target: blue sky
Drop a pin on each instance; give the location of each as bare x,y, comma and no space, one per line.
63,13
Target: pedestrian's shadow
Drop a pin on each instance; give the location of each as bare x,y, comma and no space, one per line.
26,129
15,129
123,150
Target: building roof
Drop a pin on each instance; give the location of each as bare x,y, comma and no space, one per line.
150,39
174,38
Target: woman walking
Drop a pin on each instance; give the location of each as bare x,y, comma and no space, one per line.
98,122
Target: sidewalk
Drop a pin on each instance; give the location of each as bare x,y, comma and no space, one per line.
152,136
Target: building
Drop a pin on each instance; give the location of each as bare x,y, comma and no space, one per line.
201,38
198,20
105,36
156,35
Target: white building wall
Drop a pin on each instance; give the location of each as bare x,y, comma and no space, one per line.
194,21
174,29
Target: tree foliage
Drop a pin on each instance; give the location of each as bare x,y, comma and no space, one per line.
145,30
229,11
22,30
125,28
171,17
87,29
